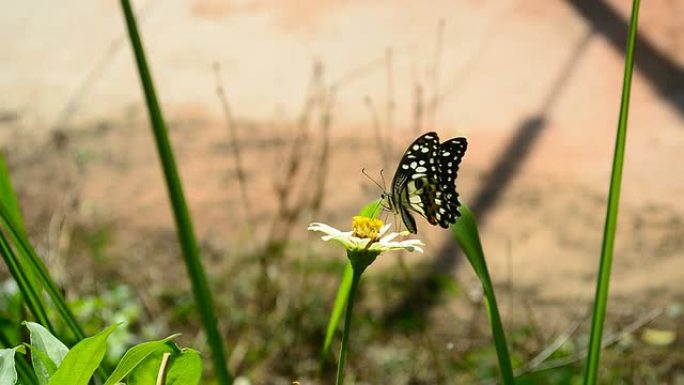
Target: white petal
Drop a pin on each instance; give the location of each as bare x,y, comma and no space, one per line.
388,237
384,228
345,239
322,227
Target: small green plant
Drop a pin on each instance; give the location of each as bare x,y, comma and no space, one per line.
363,245
362,251
159,362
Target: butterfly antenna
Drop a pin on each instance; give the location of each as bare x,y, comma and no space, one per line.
363,170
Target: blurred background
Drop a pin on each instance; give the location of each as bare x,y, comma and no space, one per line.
275,107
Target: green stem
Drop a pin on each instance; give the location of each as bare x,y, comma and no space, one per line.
602,286
184,228
347,322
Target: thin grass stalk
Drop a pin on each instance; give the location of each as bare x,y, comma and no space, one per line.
7,195
321,166
603,283
33,299
38,268
390,104
347,324
186,234
237,153
380,142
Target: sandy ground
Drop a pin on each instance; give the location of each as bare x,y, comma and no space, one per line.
74,129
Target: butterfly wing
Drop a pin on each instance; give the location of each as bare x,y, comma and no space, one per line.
451,153
415,183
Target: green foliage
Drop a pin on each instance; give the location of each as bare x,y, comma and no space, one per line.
117,304
146,371
8,373
50,351
186,369
30,272
55,364
8,197
134,357
466,234
11,309
80,363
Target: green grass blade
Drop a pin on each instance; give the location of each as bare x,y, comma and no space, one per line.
184,227
30,258
371,210
29,270
466,234
8,197
34,301
603,283
26,375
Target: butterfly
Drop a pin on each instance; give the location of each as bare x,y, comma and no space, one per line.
425,181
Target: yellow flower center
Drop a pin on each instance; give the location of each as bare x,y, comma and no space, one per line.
368,228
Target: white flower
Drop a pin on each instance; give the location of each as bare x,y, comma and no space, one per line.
366,235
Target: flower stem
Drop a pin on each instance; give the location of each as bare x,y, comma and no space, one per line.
347,322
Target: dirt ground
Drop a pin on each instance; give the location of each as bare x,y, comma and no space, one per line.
534,85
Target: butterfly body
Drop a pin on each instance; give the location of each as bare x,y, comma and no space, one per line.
424,182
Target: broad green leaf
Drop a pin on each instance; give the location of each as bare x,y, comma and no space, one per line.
49,367
134,356
185,369
45,345
145,373
371,210
8,372
82,360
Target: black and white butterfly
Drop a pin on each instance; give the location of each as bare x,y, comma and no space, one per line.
425,181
